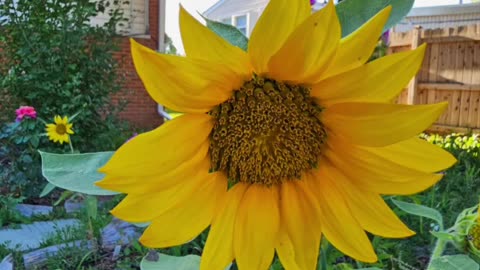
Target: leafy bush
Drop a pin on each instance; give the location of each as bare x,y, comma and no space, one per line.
8,213
20,163
57,62
456,142
54,60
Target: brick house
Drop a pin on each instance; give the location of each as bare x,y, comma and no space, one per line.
146,25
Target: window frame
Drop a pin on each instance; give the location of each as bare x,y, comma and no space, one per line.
247,22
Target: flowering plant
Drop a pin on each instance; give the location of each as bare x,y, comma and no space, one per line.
25,112
284,143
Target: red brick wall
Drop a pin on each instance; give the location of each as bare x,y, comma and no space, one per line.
141,110
153,20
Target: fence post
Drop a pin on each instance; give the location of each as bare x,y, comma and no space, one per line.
412,86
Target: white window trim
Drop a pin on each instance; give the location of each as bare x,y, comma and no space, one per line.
234,17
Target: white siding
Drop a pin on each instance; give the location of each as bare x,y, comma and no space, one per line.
229,8
440,17
135,12
254,8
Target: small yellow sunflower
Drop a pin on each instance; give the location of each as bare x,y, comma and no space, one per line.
60,130
278,146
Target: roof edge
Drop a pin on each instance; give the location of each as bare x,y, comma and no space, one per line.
212,8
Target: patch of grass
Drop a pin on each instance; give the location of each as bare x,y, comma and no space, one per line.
8,213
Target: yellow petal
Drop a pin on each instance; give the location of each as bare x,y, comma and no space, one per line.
339,226
256,228
286,251
142,184
162,149
277,22
308,50
300,219
184,84
154,202
188,219
378,81
57,119
377,124
355,49
371,172
200,42
417,154
218,251
370,211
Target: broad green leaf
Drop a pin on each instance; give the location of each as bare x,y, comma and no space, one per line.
453,262
166,262
75,172
353,13
420,210
228,32
47,189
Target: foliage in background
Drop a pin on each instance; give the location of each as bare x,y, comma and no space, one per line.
456,142
54,60
20,173
8,213
57,62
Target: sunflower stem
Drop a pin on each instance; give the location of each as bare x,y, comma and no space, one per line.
71,146
437,251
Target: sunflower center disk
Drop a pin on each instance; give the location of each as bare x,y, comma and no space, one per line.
61,129
266,133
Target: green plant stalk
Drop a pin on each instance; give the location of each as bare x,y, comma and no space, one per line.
71,146
437,251
322,262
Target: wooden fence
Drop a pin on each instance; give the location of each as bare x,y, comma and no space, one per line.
450,72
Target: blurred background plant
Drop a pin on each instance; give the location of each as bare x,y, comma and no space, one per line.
56,61
59,63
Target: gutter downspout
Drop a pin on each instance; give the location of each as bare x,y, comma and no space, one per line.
161,47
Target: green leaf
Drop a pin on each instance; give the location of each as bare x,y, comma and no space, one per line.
35,141
75,172
353,13
228,32
453,262
166,262
47,189
65,194
420,210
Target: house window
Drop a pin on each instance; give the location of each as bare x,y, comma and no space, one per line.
241,23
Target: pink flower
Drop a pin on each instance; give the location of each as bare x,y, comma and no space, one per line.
25,111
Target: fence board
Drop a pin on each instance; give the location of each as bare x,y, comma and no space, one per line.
450,72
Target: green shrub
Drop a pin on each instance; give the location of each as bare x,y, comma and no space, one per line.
57,62
20,173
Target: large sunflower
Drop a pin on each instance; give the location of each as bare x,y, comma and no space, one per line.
294,139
